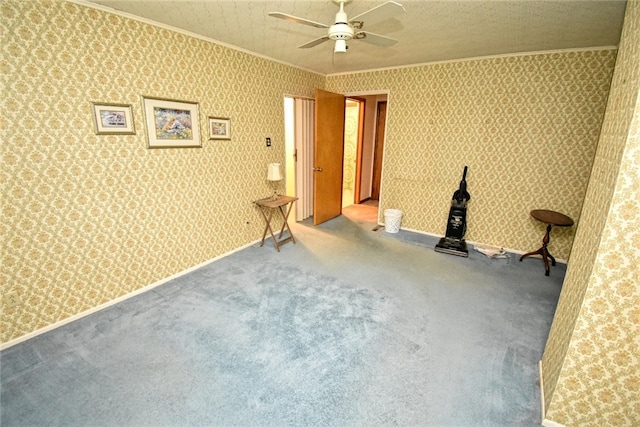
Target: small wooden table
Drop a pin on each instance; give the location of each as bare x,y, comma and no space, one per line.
271,205
550,218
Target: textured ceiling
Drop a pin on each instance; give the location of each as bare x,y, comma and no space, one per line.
428,31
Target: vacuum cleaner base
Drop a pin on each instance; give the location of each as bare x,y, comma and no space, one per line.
452,246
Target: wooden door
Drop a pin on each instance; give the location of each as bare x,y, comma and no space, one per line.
379,148
328,156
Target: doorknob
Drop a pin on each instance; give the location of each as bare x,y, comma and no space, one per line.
317,169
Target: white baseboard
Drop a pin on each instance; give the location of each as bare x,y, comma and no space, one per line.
548,423
513,251
542,404
545,422
116,301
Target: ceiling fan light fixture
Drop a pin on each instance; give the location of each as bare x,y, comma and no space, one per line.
344,29
340,46
341,31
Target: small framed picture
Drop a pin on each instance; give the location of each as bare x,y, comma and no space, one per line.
113,119
171,123
219,128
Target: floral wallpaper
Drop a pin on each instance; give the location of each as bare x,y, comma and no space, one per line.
591,364
88,218
527,127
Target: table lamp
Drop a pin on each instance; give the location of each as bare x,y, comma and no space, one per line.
274,175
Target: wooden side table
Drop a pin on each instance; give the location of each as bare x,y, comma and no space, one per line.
550,218
267,207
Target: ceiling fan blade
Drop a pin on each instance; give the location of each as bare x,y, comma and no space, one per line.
386,10
297,20
375,39
314,42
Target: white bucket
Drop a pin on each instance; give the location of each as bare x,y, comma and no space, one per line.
392,220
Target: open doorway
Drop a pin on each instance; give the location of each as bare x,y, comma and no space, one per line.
299,143
362,161
365,120
353,127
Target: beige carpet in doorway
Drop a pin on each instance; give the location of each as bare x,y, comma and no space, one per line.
361,213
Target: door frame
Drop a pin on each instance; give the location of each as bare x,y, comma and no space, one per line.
378,149
357,94
292,166
358,177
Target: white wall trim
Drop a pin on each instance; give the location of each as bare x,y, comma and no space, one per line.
288,95
93,310
181,31
85,3
548,423
545,422
543,410
368,92
477,58
513,251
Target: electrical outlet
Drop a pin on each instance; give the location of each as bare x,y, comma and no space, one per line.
268,142
11,299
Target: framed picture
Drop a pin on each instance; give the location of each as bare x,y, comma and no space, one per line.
219,128
171,124
113,119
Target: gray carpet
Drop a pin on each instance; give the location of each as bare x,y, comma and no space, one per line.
348,327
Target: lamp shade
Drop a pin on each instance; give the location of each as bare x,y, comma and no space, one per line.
273,172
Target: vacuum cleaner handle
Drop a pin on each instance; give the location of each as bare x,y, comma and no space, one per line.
462,194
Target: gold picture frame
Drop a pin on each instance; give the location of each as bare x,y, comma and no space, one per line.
171,123
219,128
113,119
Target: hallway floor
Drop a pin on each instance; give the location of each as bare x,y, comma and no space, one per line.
361,213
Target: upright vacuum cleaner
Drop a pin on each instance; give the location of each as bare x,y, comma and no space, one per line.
453,242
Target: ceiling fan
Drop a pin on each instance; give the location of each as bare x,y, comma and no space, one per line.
345,29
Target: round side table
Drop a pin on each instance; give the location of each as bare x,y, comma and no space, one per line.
550,218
